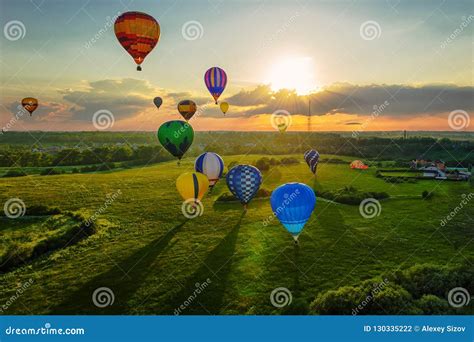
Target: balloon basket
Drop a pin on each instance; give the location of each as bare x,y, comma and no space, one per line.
139,68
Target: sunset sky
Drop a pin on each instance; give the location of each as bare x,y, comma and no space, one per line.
409,61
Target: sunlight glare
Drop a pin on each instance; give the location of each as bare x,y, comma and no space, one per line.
293,73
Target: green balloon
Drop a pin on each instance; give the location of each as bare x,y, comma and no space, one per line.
176,136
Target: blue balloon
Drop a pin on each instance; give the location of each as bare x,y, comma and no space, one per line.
292,204
244,181
312,159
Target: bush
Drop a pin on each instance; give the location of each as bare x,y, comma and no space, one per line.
420,289
50,172
263,164
350,195
15,173
433,305
290,160
39,210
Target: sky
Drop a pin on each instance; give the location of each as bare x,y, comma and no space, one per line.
357,65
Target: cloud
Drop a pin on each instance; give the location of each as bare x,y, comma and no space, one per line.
125,98
396,100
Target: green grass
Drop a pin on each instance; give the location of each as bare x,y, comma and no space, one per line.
152,258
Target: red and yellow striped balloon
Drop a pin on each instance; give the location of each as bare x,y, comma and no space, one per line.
138,33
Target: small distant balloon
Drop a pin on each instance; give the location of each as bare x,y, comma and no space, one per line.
138,33
158,101
312,158
30,104
357,164
292,204
224,107
187,108
216,80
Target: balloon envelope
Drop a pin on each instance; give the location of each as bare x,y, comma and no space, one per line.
192,185
357,164
138,33
224,107
312,158
292,204
244,181
187,108
176,137
158,101
30,104
216,80
210,164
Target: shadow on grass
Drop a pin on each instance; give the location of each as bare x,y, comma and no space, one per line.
211,278
123,286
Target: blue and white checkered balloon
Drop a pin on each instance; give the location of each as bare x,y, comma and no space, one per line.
244,181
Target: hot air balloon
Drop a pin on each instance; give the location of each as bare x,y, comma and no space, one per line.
138,33
216,80
192,185
158,101
210,164
292,204
187,108
30,104
244,181
224,107
357,164
176,137
312,159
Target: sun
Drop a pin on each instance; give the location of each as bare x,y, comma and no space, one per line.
293,73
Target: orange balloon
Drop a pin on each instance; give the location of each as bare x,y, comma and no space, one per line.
30,104
138,33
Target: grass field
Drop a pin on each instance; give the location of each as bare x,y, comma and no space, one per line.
153,258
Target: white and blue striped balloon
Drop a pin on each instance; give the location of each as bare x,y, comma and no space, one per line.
210,164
